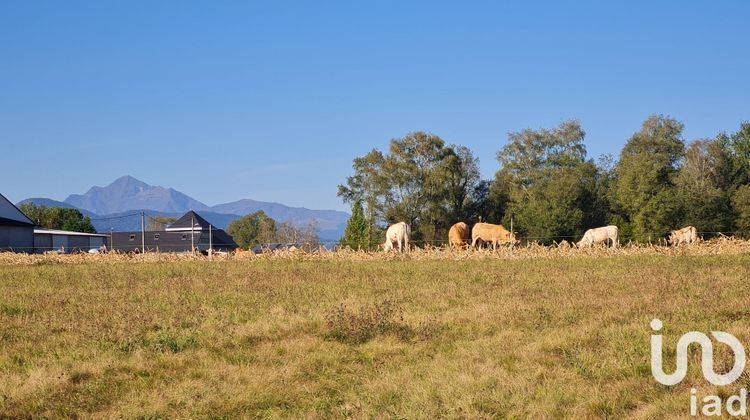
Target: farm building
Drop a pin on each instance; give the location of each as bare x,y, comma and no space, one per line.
16,230
190,230
66,242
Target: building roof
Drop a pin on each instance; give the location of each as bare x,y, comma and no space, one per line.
40,231
189,221
11,215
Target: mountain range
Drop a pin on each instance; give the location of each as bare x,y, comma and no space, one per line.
110,207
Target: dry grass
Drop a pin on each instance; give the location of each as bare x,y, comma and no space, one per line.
717,246
539,333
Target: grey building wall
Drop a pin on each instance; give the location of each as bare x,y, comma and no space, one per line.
42,243
78,243
17,238
70,243
174,241
60,242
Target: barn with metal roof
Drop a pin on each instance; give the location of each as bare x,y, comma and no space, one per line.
66,242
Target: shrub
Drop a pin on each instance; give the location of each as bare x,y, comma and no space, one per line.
359,326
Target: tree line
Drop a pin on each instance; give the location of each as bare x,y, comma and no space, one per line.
550,189
60,218
259,229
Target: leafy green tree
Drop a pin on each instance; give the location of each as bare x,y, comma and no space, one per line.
413,171
420,181
600,211
736,148
481,203
73,220
356,235
368,187
37,214
58,218
741,205
459,176
253,229
736,174
644,194
701,187
547,182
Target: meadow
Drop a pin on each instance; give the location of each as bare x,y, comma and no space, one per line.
540,333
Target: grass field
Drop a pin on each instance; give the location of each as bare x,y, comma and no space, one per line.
486,337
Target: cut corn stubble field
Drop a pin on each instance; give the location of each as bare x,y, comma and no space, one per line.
532,332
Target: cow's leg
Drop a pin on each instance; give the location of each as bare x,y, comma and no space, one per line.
406,244
474,242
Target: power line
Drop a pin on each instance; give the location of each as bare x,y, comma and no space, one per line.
114,217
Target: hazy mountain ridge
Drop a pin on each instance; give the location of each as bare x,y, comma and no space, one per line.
127,193
110,208
48,202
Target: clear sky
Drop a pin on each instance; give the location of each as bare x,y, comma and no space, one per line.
272,100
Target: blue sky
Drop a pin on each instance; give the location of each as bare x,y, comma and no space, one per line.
272,100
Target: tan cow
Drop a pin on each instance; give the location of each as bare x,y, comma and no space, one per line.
686,235
458,236
397,235
600,235
494,234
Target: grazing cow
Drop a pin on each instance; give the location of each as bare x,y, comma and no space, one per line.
397,235
686,235
458,236
487,232
600,235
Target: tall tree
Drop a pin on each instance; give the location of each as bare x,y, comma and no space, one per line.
482,204
704,201
356,233
420,181
547,181
644,193
736,174
368,187
253,229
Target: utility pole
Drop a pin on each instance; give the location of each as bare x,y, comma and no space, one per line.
143,231
192,234
111,238
210,241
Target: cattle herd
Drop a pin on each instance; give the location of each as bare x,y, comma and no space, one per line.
461,237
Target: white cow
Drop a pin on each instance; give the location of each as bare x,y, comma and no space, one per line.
686,235
600,235
397,235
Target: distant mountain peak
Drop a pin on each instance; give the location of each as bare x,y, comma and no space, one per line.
128,193
130,181
127,178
